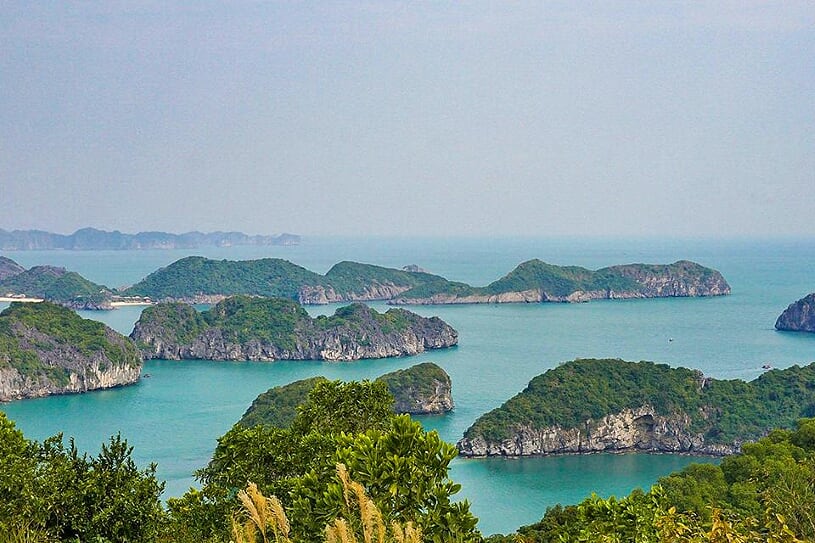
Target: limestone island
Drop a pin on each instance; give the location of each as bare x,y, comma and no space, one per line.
202,280
588,406
52,284
92,239
799,316
267,329
48,349
420,389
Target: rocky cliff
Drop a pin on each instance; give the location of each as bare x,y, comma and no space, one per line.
266,329
799,316
639,429
588,406
47,349
536,281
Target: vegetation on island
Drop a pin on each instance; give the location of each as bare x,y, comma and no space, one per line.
47,343
683,278
724,411
283,329
764,494
197,277
50,492
277,406
401,467
349,278
348,469
56,285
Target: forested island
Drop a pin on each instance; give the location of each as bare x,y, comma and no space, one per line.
48,349
421,389
799,316
53,284
198,279
92,239
591,405
266,329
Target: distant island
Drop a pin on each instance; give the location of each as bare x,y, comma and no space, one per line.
587,406
201,280
52,284
420,389
48,349
799,316
266,329
92,239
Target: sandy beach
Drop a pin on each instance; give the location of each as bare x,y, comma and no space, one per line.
129,303
14,299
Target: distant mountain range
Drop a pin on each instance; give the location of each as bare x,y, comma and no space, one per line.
91,239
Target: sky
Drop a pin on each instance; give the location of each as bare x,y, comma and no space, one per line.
680,119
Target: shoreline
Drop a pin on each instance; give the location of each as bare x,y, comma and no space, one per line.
24,299
128,304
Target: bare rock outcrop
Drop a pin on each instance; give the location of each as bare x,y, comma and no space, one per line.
641,429
47,349
799,316
267,329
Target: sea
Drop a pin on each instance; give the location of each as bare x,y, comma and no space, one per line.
175,416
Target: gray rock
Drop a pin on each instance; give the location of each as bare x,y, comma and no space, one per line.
641,429
799,316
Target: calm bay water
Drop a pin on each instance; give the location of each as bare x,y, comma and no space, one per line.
174,417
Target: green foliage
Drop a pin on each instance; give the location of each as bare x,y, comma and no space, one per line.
402,467
54,284
353,278
55,492
419,379
279,322
334,407
767,493
274,320
194,276
558,280
561,281
724,410
278,406
62,328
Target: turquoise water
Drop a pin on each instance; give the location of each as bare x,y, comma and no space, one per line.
175,416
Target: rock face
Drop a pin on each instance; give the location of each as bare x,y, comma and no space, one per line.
640,429
423,389
594,405
536,281
267,329
799,316
47,349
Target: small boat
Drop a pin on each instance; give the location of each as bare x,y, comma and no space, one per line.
766,367
146,376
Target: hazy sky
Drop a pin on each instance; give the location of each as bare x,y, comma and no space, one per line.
429,118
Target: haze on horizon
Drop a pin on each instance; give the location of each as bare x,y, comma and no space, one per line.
679,119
